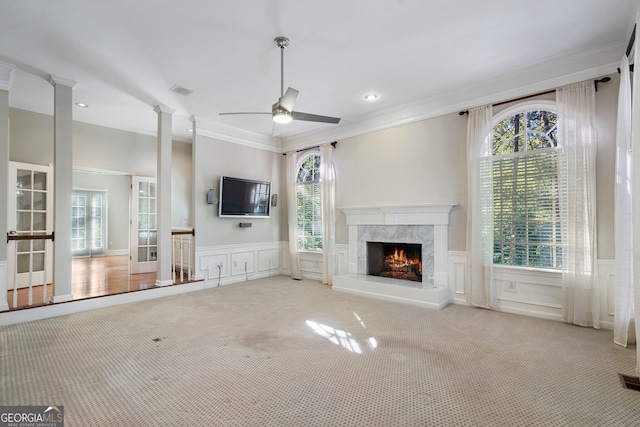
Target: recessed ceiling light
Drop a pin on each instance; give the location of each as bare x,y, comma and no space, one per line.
189,130
371,96
82,104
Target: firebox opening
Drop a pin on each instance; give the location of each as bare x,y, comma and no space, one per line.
395,260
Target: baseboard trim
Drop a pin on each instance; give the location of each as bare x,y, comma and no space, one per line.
70,307
118,252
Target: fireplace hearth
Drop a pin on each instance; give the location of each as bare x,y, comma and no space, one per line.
426,224
395,260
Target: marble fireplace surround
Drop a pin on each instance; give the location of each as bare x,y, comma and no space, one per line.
427,224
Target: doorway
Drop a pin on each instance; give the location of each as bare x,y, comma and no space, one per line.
89,223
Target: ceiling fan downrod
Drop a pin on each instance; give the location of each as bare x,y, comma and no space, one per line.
282,43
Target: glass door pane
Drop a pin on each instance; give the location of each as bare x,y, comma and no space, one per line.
144,247
28,214
88,223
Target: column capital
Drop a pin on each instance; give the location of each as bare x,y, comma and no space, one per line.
55,80
163,109
192,118
6,71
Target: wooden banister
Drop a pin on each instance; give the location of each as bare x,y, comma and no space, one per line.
11,236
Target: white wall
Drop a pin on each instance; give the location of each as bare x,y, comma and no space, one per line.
422,162
104,149
216,158
181,182
425,162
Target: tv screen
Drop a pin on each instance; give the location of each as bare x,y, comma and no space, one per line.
244,198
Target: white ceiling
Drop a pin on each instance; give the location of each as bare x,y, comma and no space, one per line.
423,58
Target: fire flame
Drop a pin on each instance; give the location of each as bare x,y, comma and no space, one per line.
398,261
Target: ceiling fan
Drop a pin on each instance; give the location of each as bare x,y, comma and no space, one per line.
282,111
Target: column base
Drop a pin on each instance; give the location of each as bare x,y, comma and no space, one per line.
62,298
161,283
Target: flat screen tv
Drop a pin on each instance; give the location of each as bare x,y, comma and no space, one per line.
244,198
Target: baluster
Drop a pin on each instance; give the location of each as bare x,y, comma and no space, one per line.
173,258
190,240
30,272
181,258
44,287
15,274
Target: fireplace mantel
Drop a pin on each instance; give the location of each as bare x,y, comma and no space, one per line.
422,214
435,295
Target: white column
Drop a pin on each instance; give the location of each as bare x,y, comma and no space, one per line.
196,203
5,80
164,276
62,186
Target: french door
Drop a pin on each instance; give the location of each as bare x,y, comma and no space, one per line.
88,223
144,225
30,212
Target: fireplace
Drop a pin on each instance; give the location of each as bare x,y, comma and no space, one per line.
395,260
424,225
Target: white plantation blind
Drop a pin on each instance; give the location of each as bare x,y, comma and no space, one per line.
526,208
309,217
309,204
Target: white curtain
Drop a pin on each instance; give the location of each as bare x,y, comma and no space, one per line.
327,189
623,324
635,190
292,215
577,137
481,290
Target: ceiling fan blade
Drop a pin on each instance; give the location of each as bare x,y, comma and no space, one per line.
288,99
228,114
277,128
314,118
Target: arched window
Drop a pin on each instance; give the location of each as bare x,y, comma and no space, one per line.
309,203
523,165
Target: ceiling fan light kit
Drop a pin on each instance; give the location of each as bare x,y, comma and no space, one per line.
282,111
281,116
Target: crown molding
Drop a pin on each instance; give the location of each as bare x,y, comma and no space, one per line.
163,109
569,69
6,72
238,136
55,80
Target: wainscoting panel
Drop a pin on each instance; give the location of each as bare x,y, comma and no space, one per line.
607,275
268,260
534,293
311,265
341,253
243,263
238,262
529,287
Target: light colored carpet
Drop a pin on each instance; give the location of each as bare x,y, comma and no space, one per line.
277,352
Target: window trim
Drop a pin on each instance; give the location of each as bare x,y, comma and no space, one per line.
537,104
301,159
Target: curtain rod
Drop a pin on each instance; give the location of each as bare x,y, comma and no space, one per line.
595,82
333,144
632,40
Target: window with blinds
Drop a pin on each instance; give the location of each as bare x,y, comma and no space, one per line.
309,204
523,170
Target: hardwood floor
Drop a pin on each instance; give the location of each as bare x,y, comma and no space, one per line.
94,277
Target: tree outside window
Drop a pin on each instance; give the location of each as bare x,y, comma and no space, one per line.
309,207
524,170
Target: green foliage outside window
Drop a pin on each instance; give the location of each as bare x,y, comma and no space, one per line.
309,207
524,170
